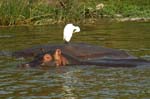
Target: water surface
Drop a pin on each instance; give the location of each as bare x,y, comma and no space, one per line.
75,82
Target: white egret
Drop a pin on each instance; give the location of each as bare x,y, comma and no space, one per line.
68,32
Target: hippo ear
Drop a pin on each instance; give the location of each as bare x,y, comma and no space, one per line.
42,50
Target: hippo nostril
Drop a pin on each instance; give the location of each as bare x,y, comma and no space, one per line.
24,66
27,65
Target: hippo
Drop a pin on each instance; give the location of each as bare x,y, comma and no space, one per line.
79,54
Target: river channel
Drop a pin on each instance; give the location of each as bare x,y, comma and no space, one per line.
76,82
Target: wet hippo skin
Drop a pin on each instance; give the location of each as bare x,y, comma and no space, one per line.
83,54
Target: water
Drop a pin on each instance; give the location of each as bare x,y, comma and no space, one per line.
76,82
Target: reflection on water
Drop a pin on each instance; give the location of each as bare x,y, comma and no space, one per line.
75,82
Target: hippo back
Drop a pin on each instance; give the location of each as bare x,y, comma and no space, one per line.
84,51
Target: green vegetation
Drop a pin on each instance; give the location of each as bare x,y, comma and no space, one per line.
17,12
128,8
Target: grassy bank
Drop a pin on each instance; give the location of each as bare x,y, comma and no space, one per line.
18,12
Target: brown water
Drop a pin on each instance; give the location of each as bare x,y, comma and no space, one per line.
76,82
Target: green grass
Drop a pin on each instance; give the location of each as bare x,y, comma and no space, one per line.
17,12
128,8
13,10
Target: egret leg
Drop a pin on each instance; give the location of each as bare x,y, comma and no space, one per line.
66,42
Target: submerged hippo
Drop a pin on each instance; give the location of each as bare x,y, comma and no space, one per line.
79,54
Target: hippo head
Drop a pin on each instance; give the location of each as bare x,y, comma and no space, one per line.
47,59
39,61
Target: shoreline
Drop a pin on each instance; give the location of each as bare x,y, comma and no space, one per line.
136,19
90,21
